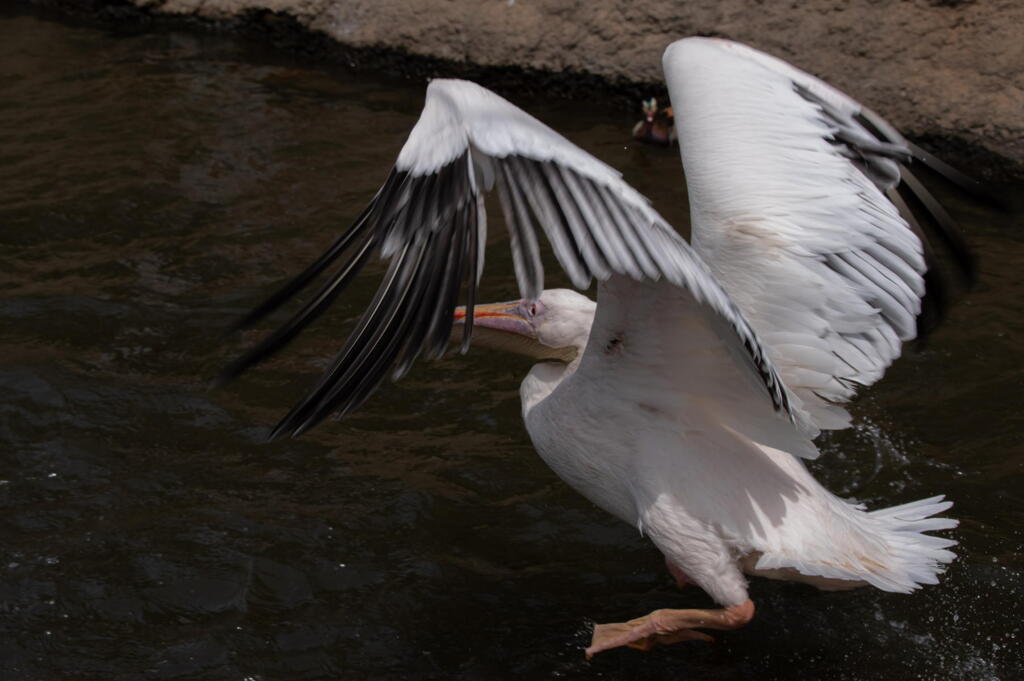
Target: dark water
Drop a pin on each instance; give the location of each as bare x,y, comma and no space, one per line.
154,186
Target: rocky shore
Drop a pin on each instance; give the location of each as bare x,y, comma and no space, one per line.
949,73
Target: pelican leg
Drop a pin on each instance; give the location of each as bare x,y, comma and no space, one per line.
682,579
668,626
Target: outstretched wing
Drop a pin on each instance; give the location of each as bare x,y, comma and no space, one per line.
795,208
429,220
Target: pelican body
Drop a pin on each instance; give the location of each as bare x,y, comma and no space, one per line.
685,399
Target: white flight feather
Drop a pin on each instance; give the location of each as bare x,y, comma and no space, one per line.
771,199
458,113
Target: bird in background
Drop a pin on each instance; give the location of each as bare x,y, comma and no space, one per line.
658,126
686,400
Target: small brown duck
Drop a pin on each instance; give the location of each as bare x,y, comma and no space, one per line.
658,125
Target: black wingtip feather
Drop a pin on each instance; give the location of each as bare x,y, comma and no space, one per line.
374,322
300,281
362,375
443,321
918,205
425,309
879,127
309,312
934,305
968,184
938,290
943,224
472,273
414,304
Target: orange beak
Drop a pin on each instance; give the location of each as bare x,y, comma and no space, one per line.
505,316
504,326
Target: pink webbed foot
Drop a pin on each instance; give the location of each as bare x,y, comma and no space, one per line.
663,627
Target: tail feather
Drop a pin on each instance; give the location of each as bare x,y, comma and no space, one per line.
886,548
916,557
915,510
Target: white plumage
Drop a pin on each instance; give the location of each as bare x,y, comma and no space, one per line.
686,397
814,254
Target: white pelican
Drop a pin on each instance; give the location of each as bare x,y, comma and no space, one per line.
684,400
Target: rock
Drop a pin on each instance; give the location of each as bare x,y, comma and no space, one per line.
937,69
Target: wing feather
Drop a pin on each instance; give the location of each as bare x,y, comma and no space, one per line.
428,218
788,181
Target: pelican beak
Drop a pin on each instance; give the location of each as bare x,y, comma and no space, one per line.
500,317
502,326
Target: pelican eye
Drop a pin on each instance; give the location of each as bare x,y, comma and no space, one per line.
533,308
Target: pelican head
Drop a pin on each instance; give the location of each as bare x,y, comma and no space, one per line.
555,326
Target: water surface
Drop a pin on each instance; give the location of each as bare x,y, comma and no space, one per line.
154,186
